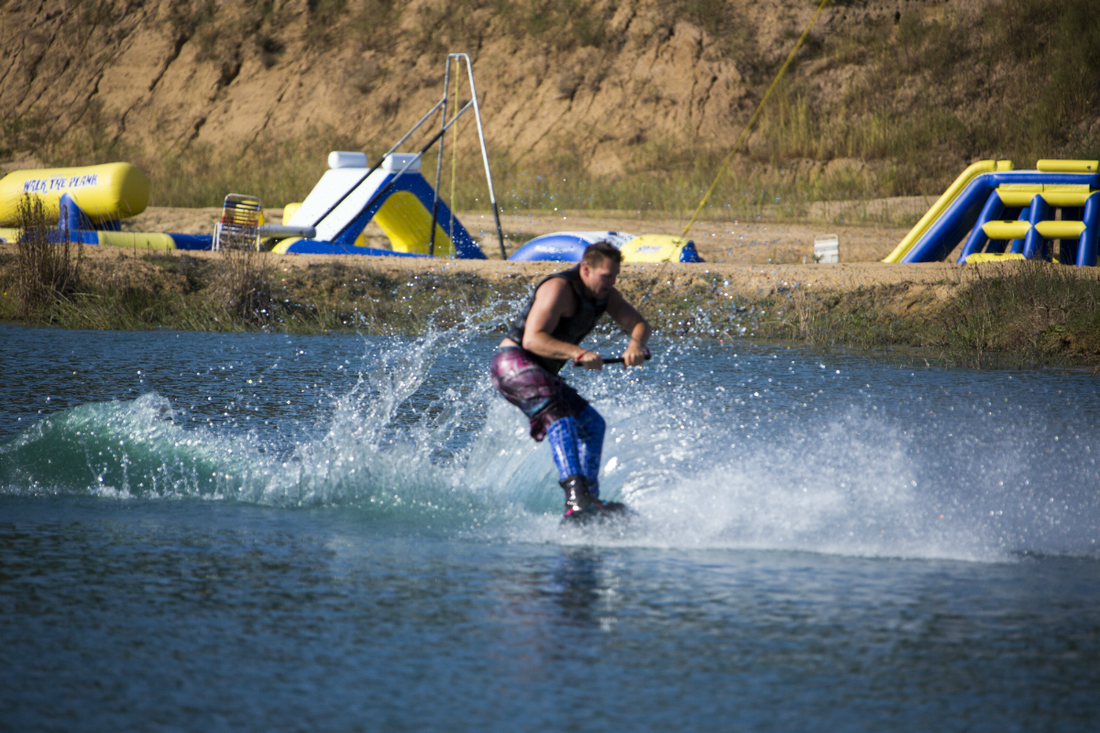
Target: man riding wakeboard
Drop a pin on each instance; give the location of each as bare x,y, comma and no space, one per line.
562,311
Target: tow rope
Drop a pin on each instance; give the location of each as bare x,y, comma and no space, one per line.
752,120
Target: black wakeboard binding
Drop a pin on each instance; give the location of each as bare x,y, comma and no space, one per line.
577,498
580,505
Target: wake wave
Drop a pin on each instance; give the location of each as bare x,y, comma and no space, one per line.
701,469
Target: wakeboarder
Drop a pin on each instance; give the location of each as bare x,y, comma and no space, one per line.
544,337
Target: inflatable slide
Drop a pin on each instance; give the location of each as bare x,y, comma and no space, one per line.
394,194
1005,213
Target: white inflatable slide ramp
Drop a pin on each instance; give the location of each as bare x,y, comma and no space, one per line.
326,208
347,197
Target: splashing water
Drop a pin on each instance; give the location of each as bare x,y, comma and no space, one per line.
760,448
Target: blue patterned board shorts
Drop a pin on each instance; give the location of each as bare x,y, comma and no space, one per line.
543,397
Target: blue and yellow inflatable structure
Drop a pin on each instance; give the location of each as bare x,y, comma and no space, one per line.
393,194
1004,213
89,203
570,246
104,193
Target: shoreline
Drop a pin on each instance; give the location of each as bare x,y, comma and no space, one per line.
1017,313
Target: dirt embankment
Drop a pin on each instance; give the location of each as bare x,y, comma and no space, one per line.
885,98
628,105
598,77
757,257
755,241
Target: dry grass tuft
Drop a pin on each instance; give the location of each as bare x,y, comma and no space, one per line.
47,260
242,283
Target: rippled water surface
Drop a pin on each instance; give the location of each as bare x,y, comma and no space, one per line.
260,532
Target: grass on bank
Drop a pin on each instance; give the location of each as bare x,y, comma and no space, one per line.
1022,314
1029,313
179,291
1017,314
47,262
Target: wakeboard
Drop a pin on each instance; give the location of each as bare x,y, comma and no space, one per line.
606,514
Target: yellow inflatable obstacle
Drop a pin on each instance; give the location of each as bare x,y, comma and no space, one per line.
659,248
104,192
994,209
407,223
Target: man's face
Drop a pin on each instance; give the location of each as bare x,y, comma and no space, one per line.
601,278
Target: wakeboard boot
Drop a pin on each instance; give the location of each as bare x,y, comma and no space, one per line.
581,507
578,502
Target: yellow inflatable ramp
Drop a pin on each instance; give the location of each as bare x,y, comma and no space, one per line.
408,225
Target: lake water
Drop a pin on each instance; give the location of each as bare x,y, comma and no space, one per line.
266,532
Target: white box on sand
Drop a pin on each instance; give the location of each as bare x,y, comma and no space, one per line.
827,248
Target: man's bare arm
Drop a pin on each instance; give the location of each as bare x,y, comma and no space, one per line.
631,321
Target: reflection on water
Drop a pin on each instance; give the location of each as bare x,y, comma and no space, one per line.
581,589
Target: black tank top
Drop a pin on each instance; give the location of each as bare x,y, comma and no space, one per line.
571,330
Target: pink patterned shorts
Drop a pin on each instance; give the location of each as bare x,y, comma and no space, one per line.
543,397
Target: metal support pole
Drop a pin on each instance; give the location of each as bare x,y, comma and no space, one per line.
382,191
484,151
445,124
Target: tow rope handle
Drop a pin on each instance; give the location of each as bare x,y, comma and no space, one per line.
616,359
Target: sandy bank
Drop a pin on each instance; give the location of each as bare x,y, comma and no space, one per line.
753,285
744,242
756,257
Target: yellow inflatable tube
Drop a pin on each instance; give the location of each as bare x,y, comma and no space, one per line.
1055,195
979,257
104,192
653,248
137,240
1068,166
130,240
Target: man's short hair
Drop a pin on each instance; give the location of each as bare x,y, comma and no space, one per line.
597,252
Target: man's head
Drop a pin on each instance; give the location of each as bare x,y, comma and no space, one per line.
599,268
